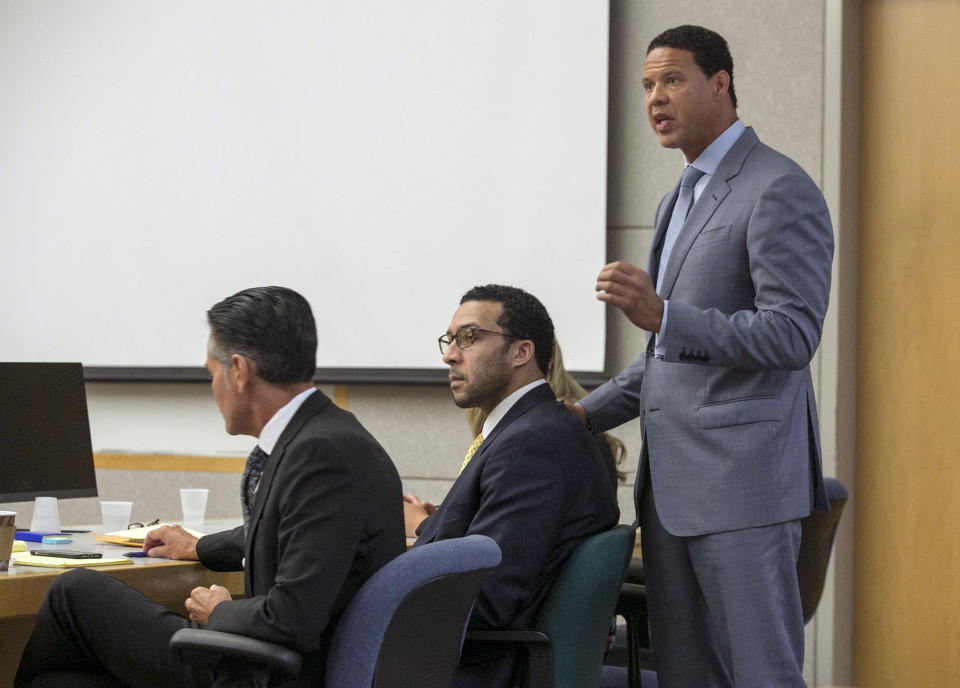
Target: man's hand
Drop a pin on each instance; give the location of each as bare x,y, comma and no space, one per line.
578,411
414,513
202,601
170,542
630,289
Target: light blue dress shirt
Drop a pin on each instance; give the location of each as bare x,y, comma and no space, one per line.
707,161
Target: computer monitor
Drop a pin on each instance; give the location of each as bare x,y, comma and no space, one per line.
45,448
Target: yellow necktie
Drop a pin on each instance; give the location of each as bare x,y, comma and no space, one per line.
477,441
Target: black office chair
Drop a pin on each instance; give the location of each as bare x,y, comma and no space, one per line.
633,651
819,531
403,628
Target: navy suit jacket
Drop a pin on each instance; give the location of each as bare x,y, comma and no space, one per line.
538,487
327,514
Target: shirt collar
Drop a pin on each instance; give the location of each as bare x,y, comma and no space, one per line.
710,158
278,423
500,410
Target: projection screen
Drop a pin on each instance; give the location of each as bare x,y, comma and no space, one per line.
379,157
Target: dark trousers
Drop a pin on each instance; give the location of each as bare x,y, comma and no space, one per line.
93,630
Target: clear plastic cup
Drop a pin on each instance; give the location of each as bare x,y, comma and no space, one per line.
193,502
115,515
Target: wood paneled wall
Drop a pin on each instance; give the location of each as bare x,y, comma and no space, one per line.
906,629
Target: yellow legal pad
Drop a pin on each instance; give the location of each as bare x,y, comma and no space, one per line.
27,559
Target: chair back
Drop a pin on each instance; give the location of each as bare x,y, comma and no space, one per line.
818,531
405,626
579,606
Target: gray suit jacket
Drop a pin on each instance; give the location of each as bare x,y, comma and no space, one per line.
729,416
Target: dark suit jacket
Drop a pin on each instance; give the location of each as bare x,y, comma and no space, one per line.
327,514
537,486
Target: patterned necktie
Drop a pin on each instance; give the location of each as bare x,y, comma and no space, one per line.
688,180
250,481
477,441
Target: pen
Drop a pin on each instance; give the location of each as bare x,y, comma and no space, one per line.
139,553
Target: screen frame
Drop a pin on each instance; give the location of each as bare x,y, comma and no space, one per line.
60,384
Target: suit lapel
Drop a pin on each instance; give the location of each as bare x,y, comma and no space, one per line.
713,195
537,395
311,405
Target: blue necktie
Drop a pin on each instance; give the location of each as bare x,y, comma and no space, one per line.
249,482
680,209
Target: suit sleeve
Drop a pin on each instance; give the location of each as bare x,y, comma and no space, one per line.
790,250
317,535
618,399
222,551
522,493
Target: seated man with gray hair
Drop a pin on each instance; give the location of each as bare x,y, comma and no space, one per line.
321,504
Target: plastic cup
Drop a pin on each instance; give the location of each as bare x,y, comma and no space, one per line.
8,521
115,515
193,501
46,515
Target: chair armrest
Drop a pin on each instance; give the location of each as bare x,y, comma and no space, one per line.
635,572
538,646
633,593
632,606
234,654
535,638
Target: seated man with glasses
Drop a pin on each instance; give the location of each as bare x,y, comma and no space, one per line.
533,480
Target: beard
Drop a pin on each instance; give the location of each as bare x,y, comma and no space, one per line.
485,388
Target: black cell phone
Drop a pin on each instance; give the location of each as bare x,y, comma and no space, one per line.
65,553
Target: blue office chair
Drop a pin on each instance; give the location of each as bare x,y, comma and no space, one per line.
404,627
818,532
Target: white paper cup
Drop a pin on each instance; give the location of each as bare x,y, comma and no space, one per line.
46,515
193,501
115,515
8,521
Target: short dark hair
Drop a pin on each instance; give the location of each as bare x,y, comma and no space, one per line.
523,316
709,49
272,326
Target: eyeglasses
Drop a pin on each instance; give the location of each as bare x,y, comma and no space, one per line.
131,526
465,337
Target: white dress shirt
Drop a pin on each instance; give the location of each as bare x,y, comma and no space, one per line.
500,410
278,423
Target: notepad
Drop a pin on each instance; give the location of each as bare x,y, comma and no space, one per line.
27,559
134,537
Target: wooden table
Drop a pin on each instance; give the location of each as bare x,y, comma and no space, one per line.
23,588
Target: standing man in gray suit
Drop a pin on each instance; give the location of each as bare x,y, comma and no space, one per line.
734,297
